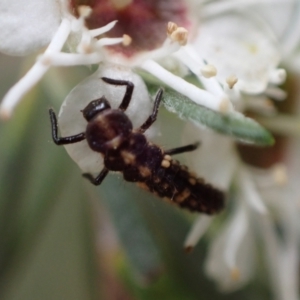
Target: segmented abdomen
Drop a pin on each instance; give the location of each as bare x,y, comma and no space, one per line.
148,166
181,187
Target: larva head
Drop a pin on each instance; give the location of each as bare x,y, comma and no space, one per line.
95,107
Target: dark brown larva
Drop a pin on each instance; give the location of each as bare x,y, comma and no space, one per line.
109,132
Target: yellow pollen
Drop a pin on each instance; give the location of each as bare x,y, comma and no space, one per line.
231,81
171,27
84,11
235,274
209,71
180,35
126,40
165,163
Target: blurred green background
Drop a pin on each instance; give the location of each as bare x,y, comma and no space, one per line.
62,238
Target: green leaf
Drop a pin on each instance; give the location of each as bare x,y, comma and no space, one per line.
131,228
233,124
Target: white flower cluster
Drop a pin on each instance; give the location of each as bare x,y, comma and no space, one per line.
235,54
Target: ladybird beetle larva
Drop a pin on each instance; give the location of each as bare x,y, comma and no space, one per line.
124,149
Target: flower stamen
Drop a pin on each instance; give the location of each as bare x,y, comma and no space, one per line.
236,232
101,30
250,192
196,94
190,58
171,27
126,40
180,35
277,76
276,93
197,231
71,59
208,71
84,11
231,81
15,94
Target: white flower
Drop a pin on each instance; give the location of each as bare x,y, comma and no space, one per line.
264,200
234,54
49,22
63,26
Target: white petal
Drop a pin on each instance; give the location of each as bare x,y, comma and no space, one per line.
287,30
27,25
198,229
71,121
249,191
215,159
289,273
38,70
239,45
231,257
199,96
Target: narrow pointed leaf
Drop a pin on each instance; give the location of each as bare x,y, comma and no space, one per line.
234,124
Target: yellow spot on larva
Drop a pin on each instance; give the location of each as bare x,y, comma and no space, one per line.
128,157
192,181
165,163
168,157
144,171
182,196
193,174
